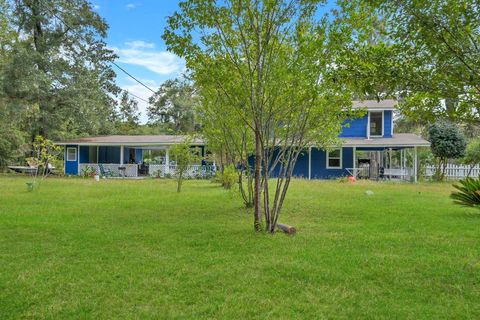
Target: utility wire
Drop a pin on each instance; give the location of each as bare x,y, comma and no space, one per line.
134,95
113,62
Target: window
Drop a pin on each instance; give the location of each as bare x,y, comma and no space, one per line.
71,154
334,159
376,123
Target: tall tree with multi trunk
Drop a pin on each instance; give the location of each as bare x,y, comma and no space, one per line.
273,62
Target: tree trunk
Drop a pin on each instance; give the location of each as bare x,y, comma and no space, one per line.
257,186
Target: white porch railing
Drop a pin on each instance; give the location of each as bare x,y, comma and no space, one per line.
193,171
453,171
110,169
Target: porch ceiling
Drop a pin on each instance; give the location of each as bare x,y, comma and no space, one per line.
398,140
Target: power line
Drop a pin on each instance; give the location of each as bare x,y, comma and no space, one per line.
134,95
127,73
113,62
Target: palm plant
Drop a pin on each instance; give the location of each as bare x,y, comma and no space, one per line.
468,193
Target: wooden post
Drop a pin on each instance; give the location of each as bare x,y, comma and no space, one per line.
121,154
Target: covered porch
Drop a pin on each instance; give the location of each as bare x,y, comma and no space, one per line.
393,158
130,156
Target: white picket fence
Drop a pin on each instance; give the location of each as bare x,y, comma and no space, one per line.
193,171
453,171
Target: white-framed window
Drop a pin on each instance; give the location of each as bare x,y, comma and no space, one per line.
71,154
376,123
334,159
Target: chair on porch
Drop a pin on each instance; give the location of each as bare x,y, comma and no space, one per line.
105,172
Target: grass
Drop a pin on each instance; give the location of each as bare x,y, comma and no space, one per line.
137,249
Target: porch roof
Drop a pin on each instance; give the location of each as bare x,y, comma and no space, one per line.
388,104
398,140
118,140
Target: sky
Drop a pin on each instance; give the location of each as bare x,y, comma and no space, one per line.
135,34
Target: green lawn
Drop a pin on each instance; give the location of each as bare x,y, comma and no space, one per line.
137,249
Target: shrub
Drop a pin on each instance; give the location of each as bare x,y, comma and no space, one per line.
229,176
447,142
468,193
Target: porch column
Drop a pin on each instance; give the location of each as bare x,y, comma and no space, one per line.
121,154
309,163
415,164
354,165
390,158
167,160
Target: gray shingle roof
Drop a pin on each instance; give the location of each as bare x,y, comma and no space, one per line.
398,140
132,140
375,105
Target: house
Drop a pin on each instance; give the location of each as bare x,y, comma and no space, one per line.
370,149
129,156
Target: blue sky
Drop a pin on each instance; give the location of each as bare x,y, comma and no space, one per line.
135,34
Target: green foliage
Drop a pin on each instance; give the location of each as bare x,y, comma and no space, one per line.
88,171
472,154
184,156
45,152
425,52
174,105
56,78
468,192
447,142
229,177
127,117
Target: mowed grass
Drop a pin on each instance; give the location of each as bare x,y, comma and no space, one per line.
137,249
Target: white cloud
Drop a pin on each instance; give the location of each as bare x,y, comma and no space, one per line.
137,89
139,53
96,7
131,6
139,44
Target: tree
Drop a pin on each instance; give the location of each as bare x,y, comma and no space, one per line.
128,115
11,138
447,142
174,104
58,78
184,156
273,61
472,154
44,153
425,52
232,142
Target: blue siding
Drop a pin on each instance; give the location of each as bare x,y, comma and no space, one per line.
71,167
387,121
319,164
355,128
301,167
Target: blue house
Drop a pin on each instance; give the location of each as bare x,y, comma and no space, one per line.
370,149
129,156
